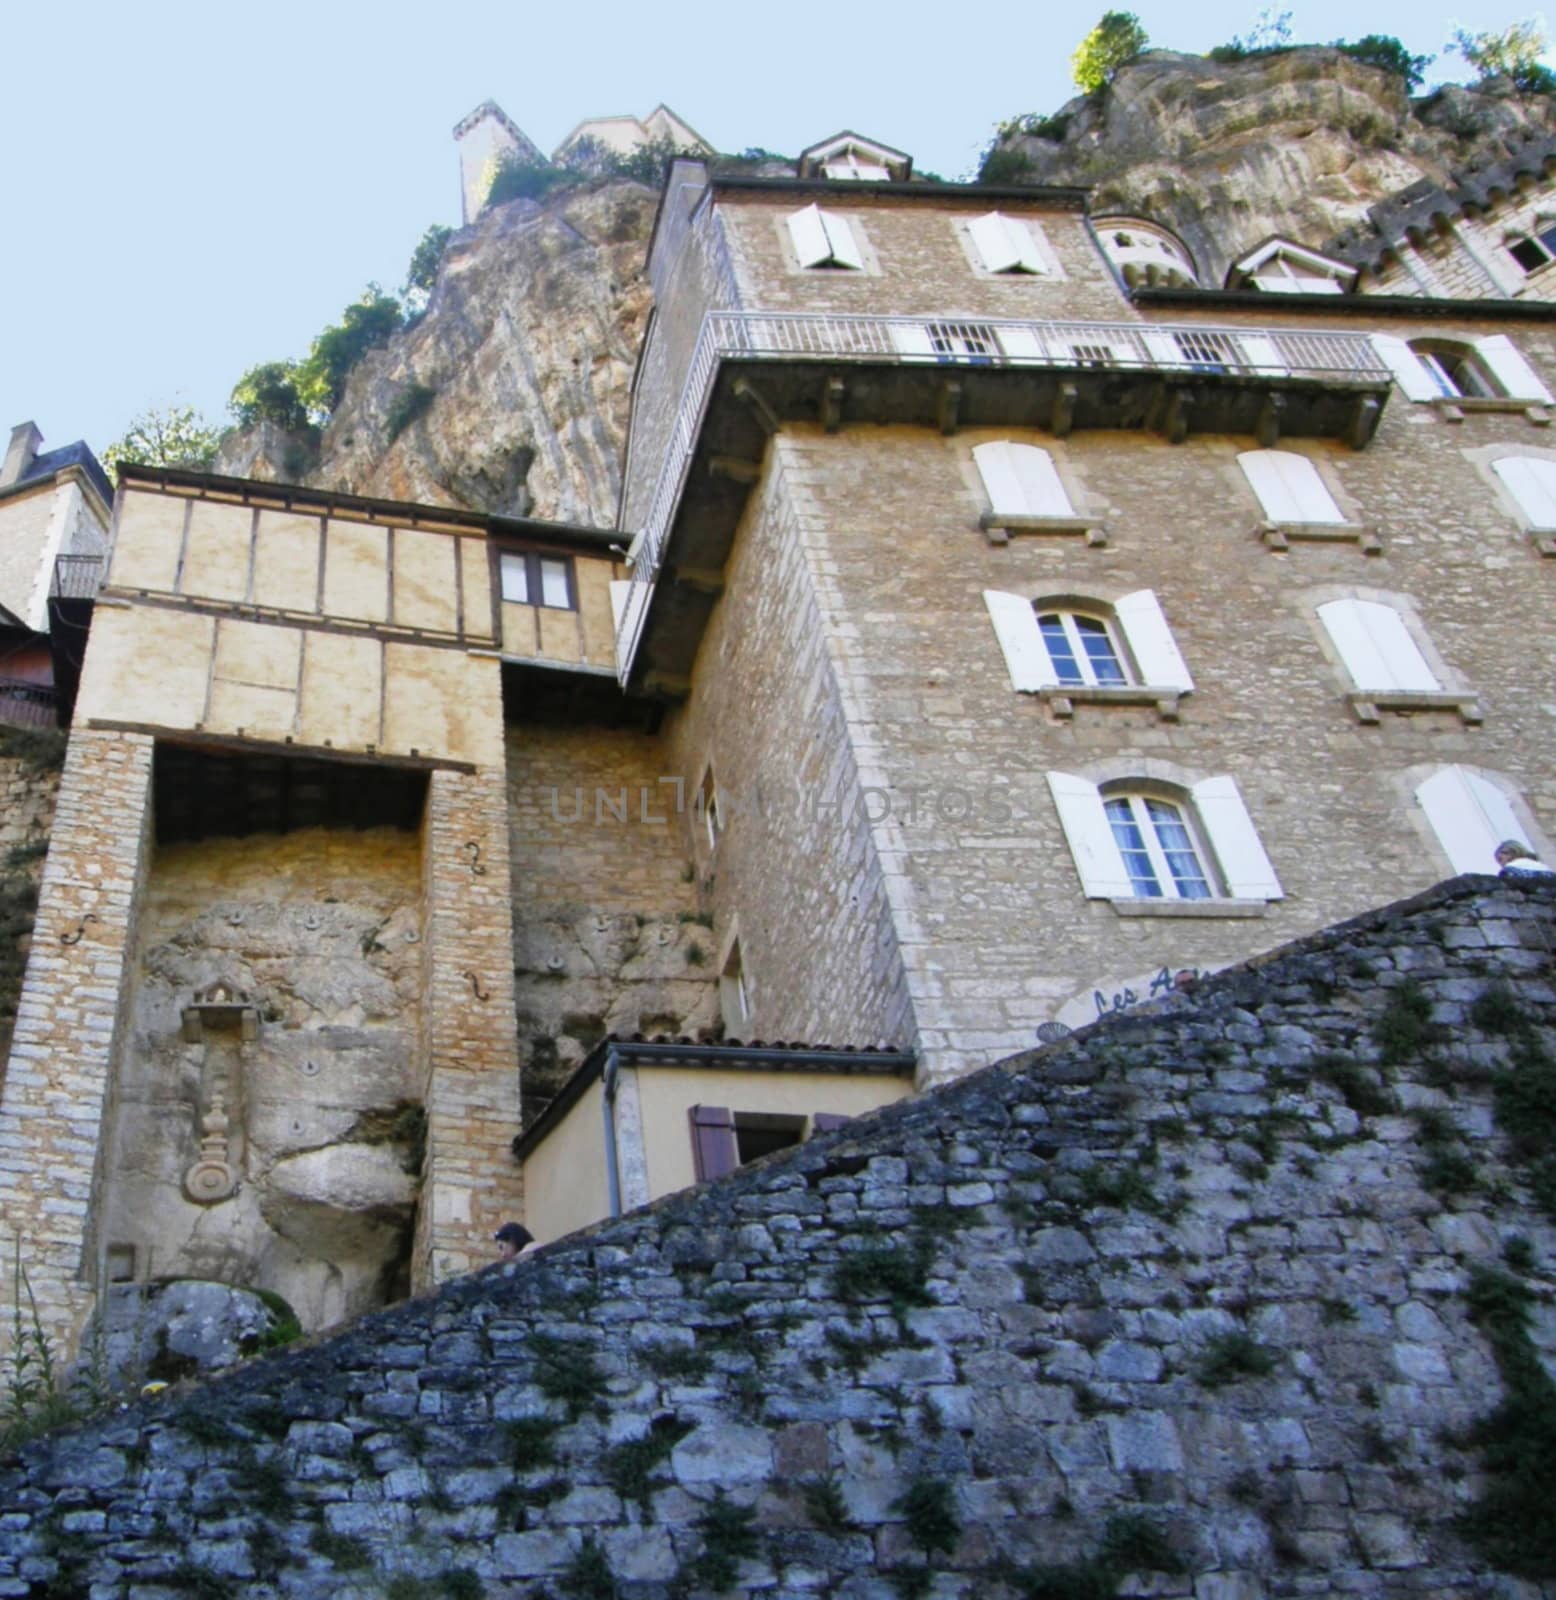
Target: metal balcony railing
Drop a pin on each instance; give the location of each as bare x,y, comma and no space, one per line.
27,705
1188,350
77,577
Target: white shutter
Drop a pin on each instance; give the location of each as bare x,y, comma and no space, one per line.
912,340
1244,865
996,248
1000,482
1021,344
1413,379
1288,486
809,234
1262,354
1021,641
1532,483
1515,376
1319,286
1470,817
1163,349
1151,642
1028,257
621,588
1091,841
1376,646
1039,479
842,245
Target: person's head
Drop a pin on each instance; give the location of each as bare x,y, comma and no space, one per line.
511,1238
1513,850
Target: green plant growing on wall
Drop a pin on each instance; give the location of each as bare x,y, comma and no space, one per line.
1405,1030
1228,1357
928,1509
825,1505
631,1466
728,1538
1511,1522
567,1372
1117,38
588,1575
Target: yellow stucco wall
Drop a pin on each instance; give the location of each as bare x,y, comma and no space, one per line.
564,1179
666,1095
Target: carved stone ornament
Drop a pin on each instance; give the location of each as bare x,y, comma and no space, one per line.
211,1179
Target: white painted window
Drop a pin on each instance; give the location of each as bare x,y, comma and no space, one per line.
1145,842
708,805
1021,480
1492,368
515,578
734,996
1005,244
1054,647
851,166
554,590
1531,480
1279,275
1471,816
824,239
1289,487
1376,645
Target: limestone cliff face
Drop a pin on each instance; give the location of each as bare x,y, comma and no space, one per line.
1299,144
527,349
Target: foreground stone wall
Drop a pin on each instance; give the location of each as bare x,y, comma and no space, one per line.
27,790
1184,1294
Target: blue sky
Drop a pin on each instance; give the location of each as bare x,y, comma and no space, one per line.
190,189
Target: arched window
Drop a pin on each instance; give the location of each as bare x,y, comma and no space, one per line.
1470,815
1157,846
1074,645
1489,369
1376,645
1289,487
1133,839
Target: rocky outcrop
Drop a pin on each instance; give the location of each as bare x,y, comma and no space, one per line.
1301,144
509,395
1213,1299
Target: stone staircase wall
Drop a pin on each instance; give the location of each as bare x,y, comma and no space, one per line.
1202,1301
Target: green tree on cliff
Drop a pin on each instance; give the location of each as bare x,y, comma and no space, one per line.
165,436
1117,38
1513,52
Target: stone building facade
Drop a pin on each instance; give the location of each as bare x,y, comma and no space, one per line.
998,631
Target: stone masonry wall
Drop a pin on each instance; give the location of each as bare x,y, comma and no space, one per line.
27,790
74,1001
1203,1301
608,936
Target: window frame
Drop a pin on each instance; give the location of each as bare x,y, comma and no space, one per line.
533,567
1417,366
1069,619
1228,848
1139,801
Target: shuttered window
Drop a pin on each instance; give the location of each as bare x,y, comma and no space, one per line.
1049,647
1531,481
1376,646
1289,487
1470,816
1021,480
1005,244
1131,844
714,1152
824,239
1492,368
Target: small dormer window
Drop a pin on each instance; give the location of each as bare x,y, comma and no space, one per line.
850,165
1279,275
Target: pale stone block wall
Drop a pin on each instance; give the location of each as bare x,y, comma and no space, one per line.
24,527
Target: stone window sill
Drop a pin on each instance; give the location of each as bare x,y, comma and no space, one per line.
1454,410
1543,539
1279,535
999,527
1368,703
1130,906
1062,701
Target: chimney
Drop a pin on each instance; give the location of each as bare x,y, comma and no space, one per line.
20,453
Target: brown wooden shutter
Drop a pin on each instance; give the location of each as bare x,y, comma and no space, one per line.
714,1152
822,1121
